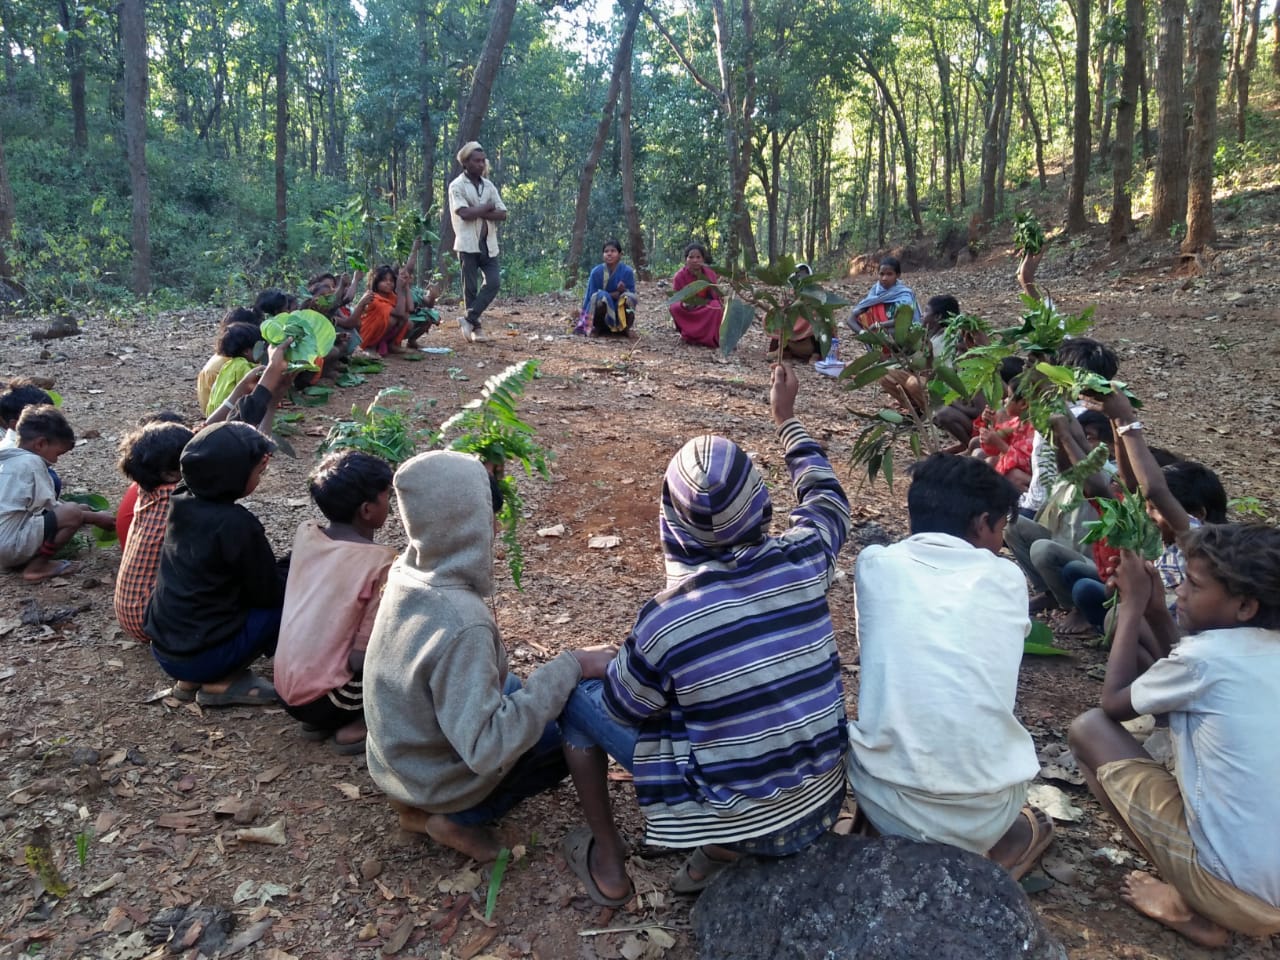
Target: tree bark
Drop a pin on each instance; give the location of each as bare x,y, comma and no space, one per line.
1077,222
71,16
425,126
1275,41
477,102
995,118
905,140
621,62
1169,189
630,211
133,35
1206,41
6,214
282,128
1244,69
1126,117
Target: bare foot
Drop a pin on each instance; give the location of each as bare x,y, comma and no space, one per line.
43,568
478,843
351,733
717,854
1164,904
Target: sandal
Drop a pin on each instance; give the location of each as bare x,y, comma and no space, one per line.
1041,836
576,850
246,690
315,734
183,694
684,882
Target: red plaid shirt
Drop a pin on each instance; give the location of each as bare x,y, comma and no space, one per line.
136,578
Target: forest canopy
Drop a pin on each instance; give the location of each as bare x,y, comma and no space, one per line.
197,151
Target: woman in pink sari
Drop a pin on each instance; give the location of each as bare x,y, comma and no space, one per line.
698,319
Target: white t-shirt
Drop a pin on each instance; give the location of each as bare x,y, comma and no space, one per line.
940,628
466,233
1221,689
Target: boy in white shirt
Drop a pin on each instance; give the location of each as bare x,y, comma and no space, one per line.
1210,830
936,752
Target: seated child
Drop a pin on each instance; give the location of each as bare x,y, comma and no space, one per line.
270,302
149,456
129,502
936,751
17,395
254,399
888,293
382,313
1008,441
216,603
208,374
725,702
1210,829
235,345
609,305
34,524
336,575
455,740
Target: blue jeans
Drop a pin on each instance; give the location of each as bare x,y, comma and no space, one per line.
587,723
1088,593
539,768
257,638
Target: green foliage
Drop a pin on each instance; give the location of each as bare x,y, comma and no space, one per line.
495,882
1028,235
313,337
95,501
384,428
1039,642
82,848
1044,328
1250,508
1125,525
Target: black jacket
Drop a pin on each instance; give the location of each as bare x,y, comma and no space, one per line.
216,564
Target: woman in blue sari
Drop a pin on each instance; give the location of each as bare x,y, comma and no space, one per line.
608,309
878,306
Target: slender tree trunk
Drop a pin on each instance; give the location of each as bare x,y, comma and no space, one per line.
426,129
621,62
1144,101
1126,117
477,102
1206,41
995,116
905,140
1275,41
1169,188
737,103
133,35
6,214
1076,220
71,16
943,63
282,128
1244,70
630,210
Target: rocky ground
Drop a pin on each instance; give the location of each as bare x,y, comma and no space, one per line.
141,804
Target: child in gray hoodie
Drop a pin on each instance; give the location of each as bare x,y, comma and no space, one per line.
455,740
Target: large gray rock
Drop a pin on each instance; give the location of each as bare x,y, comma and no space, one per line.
848,898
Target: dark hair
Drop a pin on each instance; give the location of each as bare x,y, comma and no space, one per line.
1100,422
271,302
1011,369
1089,354
151,451
18,395
240,315
44,421
1164,457
377,273
238,339
321,276
162,416
496,494
1245,559
948,493
1198,489
893,263
944,306
343,482
611,242
690,247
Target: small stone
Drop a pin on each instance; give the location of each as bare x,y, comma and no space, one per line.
370,868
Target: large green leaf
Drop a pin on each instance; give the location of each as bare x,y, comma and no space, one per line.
313,336
737,320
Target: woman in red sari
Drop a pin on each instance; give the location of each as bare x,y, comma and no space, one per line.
698,319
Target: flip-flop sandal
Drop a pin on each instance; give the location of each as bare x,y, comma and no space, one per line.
245,691
183,694
576,850
63,568
684,883
1041,836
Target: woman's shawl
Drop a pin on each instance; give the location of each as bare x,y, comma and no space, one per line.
890,299
600,287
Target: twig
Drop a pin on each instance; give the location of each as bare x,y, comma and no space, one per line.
634,928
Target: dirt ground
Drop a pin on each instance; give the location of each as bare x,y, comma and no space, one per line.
132,793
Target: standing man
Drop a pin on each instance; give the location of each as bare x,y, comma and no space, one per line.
474,206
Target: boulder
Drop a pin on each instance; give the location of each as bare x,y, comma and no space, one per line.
849,898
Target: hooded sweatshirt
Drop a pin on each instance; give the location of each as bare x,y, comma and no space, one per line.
216,564
731,673
26,491
441,733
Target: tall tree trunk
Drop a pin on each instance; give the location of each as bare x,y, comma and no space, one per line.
942,62
1275,41
1244,69
737,103
282,128
630,211
1126,117
332,158
621,62
71,16
995,117
1076,220
1169,188
6,214
904,139
477,102
425,126
1206,41
133,35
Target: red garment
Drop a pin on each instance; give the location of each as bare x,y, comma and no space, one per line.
376,329
124,514
699,320
1019,435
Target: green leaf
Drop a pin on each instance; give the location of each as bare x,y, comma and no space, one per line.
689,292
737,320
495,882
313,336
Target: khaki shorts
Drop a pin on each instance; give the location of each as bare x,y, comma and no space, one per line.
1148,798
